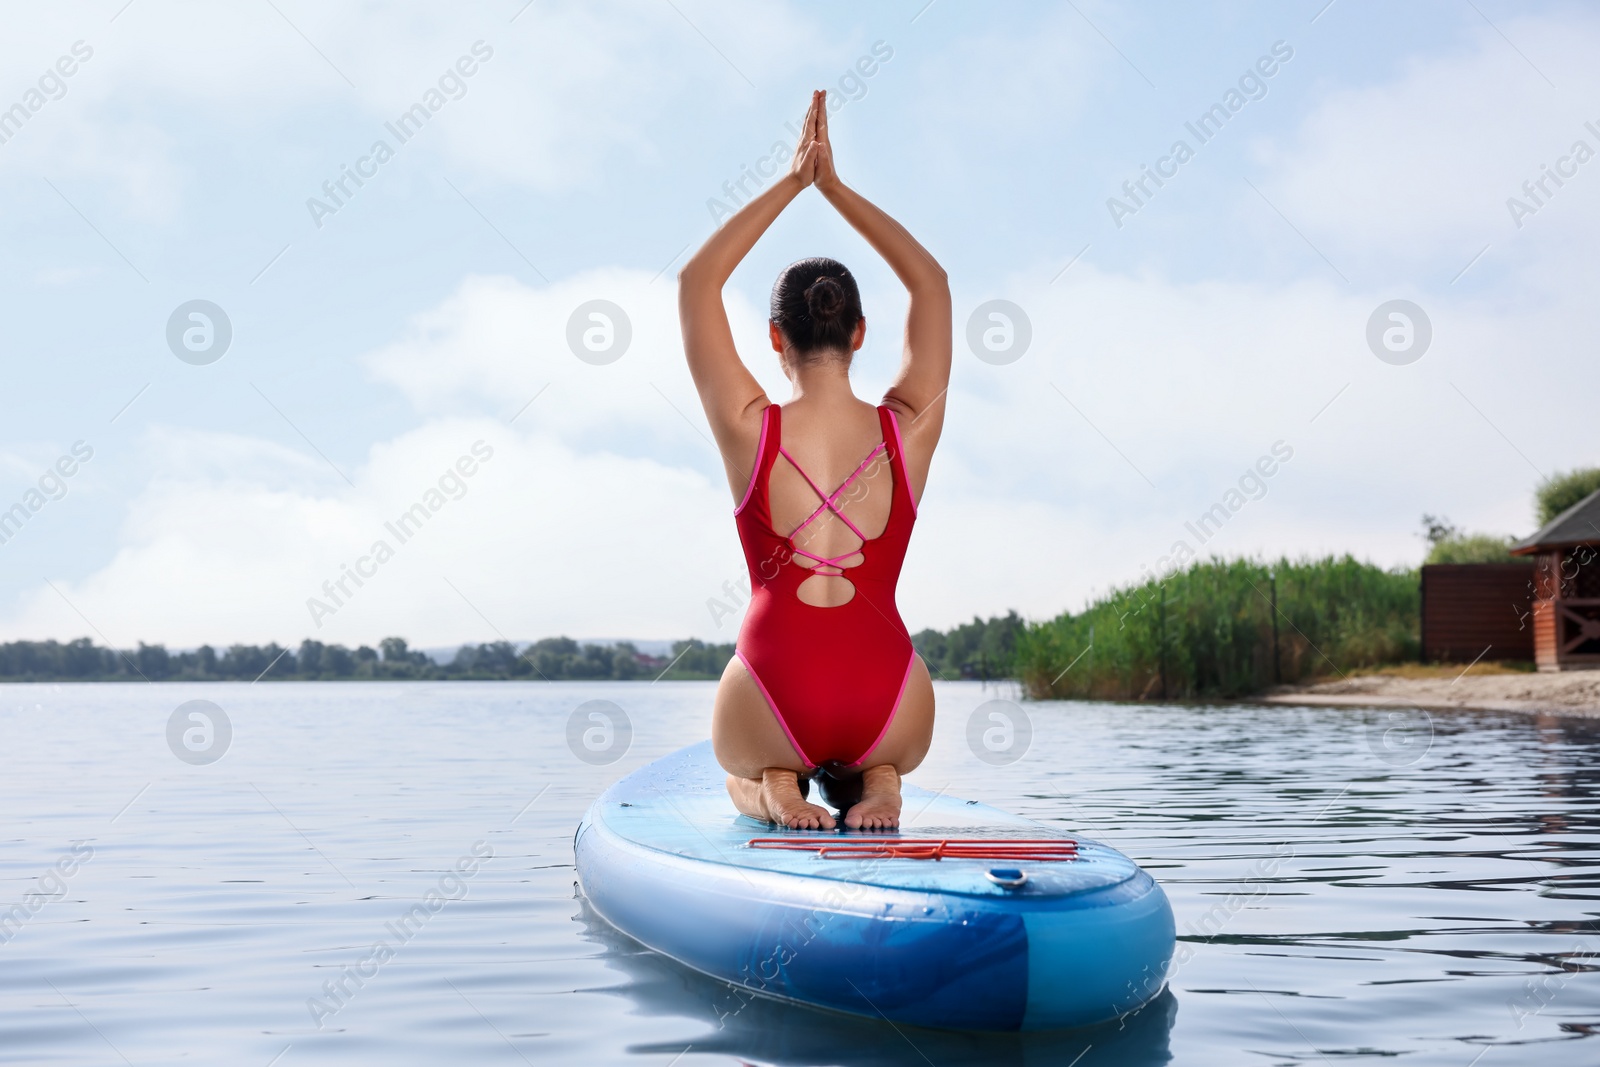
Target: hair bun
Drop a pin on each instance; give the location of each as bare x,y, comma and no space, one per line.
816,305
825,298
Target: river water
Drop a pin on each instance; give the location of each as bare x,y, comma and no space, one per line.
1350,886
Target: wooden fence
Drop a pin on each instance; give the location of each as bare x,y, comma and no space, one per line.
1477,610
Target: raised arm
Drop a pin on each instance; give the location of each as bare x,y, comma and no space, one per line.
919,389
732,398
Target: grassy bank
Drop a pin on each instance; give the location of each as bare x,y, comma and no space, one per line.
1208,631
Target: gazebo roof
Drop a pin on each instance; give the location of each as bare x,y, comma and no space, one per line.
1579,524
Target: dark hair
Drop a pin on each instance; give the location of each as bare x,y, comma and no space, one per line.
816,303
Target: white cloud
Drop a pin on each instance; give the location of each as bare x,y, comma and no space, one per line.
569,89
65,275
495,343
1419,168
540,540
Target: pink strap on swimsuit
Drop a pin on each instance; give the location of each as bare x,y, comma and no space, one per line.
832,676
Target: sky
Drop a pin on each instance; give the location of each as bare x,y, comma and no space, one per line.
1359,291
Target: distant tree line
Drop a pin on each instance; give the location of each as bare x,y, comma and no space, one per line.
552,659
978,649
982,648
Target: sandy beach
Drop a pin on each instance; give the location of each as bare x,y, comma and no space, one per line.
1574,693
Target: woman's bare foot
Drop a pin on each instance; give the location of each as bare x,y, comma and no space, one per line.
776,797
780,793
879,806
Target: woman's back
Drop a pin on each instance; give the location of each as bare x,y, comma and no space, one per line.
825,442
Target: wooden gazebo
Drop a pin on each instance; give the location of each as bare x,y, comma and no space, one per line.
1566,587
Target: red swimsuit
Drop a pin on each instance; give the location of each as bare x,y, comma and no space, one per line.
832,676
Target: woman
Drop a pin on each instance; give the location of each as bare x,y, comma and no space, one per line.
825,683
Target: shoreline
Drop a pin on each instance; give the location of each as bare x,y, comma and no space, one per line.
1573,694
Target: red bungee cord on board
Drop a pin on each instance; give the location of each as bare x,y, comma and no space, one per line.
929,848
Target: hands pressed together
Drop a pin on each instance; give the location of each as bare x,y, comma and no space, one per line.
813,156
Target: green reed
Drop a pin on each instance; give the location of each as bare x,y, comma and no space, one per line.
1207,632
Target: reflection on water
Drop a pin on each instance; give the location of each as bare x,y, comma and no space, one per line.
1347,886
766,1031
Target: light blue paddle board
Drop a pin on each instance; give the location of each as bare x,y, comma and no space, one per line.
974,944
